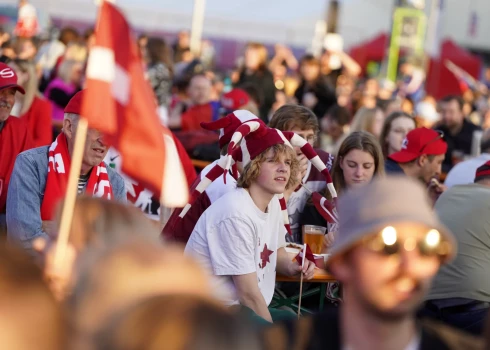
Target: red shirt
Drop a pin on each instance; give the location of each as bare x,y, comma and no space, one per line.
191,120
38,119
14,139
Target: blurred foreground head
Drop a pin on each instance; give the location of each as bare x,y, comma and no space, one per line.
97,224
103,223
114,278
177,322
30,318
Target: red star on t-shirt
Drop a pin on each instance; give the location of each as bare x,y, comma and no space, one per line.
264,255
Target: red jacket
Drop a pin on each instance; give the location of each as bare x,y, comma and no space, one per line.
38,119
14,139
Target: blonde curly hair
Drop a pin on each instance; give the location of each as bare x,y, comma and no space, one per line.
252,170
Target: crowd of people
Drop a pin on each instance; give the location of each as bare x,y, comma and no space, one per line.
404,177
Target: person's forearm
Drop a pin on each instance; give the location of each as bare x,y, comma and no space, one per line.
283,262
352,67
257,304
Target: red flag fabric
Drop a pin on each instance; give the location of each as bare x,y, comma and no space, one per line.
318,260
309,255
120,103
325,208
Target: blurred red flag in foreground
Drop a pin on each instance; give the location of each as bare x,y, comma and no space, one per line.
120,103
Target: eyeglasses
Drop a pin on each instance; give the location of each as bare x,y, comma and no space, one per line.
438,137
388,243
311,139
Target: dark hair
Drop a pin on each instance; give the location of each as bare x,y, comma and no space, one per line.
177,322
292,116
456,98
339,114
309,59
68,35
158,52
387,128
7,45
252,91
88,33
142,36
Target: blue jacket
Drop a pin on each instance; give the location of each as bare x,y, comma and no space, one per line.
26,193
393,168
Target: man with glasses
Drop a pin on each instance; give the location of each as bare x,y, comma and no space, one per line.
390,245
421,157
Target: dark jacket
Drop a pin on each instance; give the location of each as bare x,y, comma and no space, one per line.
460,142
264,83
324,93
322,331
393,168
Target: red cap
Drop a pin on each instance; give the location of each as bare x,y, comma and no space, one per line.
8,78
75,104
234,99
420,141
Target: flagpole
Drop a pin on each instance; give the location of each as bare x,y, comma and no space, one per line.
71,193
301,280
72,186
197,25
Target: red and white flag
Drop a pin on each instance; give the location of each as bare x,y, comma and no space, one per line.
325,208
120,103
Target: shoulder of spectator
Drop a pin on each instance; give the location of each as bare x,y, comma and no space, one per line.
117,183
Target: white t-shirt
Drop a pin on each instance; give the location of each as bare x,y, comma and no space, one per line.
464,173
234,237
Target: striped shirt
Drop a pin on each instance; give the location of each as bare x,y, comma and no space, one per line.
82,182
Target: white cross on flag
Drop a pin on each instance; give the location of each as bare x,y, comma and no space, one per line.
120,103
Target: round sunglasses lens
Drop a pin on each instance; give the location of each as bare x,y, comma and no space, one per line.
391,249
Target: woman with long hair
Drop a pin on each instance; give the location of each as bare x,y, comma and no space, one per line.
395,128
358,161
368,119
31,106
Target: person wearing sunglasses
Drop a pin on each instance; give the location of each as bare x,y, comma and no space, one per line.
421,157
390,245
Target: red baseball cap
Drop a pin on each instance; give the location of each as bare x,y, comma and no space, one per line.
420,141
75,104
234,99
8,78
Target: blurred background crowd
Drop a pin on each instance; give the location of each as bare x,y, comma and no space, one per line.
361,88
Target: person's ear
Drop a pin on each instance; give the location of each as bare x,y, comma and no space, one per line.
341,163
422,160
68,128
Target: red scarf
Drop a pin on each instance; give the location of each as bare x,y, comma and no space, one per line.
98,184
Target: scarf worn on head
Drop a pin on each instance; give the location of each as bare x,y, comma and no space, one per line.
98,184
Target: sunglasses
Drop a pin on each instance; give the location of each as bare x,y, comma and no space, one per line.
387,243
438,137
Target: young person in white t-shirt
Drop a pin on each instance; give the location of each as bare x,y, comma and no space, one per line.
240,237
181,224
